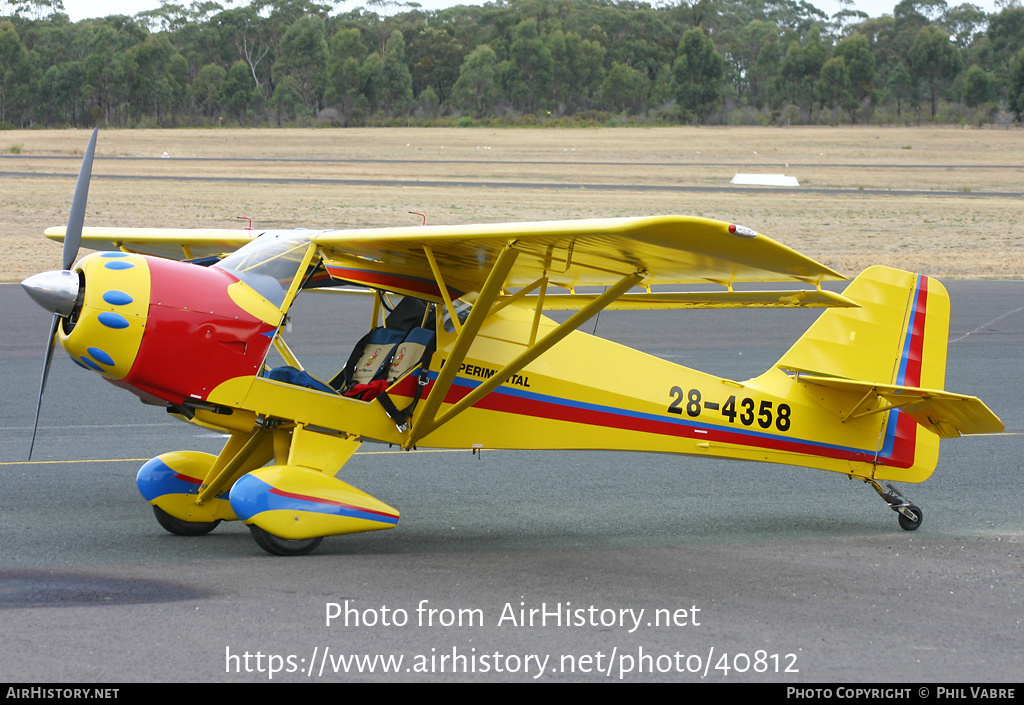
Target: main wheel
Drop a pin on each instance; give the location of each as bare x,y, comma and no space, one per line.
180,527
283,547
908,524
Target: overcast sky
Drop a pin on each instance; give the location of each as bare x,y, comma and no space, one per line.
81,9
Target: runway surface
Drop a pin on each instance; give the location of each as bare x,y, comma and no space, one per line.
506,183
762,573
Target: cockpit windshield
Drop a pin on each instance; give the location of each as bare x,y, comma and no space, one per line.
269,263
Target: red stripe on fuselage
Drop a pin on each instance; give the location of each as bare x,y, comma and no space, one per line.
565,411
903,447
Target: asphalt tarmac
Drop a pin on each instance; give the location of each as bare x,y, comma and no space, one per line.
519,566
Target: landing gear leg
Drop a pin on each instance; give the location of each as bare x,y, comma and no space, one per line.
909,515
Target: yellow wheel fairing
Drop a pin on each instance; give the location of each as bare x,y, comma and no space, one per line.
172,482
293,502
110,325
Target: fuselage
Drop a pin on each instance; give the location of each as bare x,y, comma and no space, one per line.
195,339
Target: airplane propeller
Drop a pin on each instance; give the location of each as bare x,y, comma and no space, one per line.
57,291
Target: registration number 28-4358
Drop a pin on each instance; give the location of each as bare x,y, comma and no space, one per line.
746,411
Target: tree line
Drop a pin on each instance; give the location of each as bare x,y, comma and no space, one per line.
302,62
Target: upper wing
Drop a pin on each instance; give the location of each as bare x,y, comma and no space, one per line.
169,243
569,254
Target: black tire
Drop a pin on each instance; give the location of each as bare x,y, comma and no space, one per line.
908,524
180,527
277,546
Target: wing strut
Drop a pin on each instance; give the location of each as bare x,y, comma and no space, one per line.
427,421
441,286
467,333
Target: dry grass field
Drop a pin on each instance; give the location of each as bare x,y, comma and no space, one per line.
969,222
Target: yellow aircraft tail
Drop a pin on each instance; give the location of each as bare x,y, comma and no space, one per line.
887,359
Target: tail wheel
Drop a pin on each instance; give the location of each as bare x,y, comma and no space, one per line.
277,546
180,527
910,523
909,515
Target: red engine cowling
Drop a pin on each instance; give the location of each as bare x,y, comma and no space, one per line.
167,331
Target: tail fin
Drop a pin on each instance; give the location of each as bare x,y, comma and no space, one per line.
897,337
891,355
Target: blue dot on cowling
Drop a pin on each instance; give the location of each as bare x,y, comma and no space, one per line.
117,298
114,254
113,320
101,356
91,365
118,264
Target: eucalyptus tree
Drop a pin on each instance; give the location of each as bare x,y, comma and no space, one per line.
526,75
637,36
15,71
105,72
344,67
833,87
475,91
35,9
978,86
697,73
1006,34
902,87
62,94
395,92
434,57
206,89
150,89
754,53
963,23
624,89
578,69
303,59
1015,89
801,69
254,40
171,17
238,95
860,67
934,62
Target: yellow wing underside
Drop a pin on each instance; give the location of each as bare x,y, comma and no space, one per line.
169,243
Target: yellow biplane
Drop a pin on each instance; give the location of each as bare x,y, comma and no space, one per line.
458,353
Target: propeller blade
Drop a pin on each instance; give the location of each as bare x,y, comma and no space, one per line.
42,384
56,293
73,235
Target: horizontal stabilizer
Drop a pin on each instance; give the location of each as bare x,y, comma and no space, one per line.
802,298
944,413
